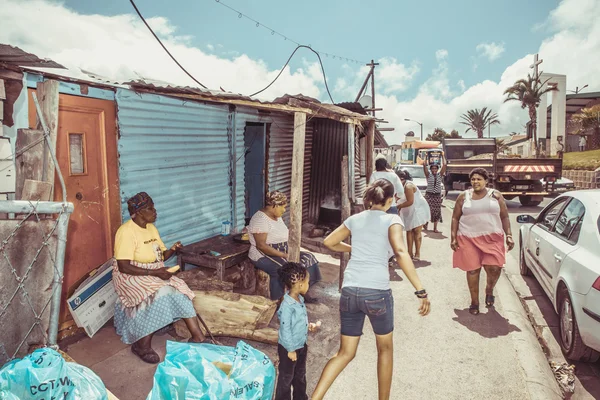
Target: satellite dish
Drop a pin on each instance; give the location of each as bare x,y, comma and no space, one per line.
366,101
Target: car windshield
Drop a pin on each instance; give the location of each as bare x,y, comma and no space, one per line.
413,170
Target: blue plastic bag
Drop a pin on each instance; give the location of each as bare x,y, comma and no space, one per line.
199,372
45,375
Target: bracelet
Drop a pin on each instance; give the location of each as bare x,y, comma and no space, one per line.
509,235
421,294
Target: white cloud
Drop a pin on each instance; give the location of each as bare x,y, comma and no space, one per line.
210,47
393,77
121,47
491,50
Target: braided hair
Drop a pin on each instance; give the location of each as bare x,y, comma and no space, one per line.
291,273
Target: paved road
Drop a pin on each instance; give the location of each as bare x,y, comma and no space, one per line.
449,354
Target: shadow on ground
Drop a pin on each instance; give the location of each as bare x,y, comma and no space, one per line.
489,324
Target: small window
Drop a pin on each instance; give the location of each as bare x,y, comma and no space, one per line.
77,153
520,150
548,216
569,219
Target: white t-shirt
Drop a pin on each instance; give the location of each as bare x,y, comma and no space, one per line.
368,265
390,176
276,232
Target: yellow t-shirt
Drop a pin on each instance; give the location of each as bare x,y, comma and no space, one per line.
132,242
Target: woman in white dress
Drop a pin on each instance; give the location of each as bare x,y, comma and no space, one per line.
415,213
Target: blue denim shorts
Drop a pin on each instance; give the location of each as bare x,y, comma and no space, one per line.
356,303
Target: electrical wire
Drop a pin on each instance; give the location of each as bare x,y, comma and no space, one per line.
163,46
274,32
286,64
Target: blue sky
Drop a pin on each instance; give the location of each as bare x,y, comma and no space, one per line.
438,58
406,30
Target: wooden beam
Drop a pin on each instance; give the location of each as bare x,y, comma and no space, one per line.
47,94
370,148
2,91
345,214
29,158
297,187
36,190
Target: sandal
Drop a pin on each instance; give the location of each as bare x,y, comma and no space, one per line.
149,356
489,300
474,309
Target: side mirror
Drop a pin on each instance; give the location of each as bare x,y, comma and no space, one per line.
525,219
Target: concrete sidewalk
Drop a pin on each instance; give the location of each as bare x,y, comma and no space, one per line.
452,354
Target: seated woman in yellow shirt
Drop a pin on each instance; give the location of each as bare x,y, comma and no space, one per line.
150,297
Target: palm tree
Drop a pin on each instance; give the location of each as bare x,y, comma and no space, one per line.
529,93
586,120
478,120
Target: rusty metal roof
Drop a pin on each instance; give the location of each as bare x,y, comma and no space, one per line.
15,56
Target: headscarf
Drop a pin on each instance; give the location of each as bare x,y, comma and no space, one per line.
276,198
138,202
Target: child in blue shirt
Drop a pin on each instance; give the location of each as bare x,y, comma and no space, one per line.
293,333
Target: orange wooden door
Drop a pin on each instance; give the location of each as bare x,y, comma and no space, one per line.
86,150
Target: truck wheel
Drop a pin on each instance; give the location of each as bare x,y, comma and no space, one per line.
526,201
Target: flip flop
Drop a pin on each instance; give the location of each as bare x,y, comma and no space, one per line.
489,300
474,309
149,356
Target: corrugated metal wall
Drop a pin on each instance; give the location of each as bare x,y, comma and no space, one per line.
360,184
178,152
330,144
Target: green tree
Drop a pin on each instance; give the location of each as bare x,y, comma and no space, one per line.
529,93
586,120
478,120
439,134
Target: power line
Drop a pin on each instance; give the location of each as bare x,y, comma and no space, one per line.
274,32
163,46
286,64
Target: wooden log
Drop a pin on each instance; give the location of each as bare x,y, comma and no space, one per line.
263,283
263,335
345,214
233,309
47,94
29,158
295,200
248,275
36,190
196,280
370,148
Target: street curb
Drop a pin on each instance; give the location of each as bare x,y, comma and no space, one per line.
539,379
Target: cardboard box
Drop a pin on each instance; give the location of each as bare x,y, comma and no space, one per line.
93,303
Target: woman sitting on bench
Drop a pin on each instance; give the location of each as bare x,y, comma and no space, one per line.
269,245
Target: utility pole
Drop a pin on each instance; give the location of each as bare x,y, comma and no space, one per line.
370,75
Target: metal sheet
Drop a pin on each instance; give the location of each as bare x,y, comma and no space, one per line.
360,183
330,144
176,151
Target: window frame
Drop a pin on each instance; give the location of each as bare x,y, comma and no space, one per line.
83,153
580,219
564,200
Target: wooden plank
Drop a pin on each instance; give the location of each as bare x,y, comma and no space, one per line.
36,190
2,91
370,148
47,94
29,158
295,200
345,214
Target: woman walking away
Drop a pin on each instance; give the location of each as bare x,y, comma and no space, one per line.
293,333
433,194
269,244
382,172
480,224
150,297
366,286
415,213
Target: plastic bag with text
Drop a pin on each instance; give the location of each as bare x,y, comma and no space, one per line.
210,372
45,375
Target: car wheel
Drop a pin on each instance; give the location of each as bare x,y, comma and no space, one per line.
523,268
570,339
526,201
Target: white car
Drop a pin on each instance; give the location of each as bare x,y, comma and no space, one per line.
561,247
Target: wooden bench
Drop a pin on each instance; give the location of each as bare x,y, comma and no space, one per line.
231,254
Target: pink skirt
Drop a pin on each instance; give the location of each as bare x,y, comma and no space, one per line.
475,252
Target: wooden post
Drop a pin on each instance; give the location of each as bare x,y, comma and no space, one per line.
297,187
30,149
47,93
345,214
370,148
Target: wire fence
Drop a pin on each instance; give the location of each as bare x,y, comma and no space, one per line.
31,274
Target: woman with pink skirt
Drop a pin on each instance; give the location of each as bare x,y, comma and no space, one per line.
480,227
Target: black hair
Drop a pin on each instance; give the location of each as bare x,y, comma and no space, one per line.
404,174
378,193
381,164
479,171
291,273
